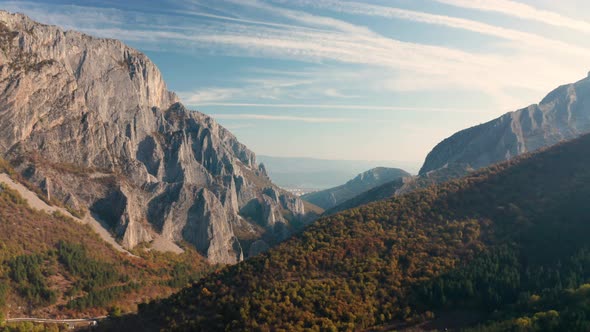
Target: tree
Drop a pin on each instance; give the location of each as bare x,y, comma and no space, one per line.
115,312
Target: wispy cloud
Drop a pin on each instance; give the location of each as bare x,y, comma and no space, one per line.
520,10
208,95
266,117
347,107
261,88
335,93
525,38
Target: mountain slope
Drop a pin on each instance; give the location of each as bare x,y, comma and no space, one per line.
480,246
52,266
562,115
327,199
400,187
137,159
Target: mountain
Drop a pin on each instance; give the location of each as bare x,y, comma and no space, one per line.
370,179
91,123
319,174
562,115
400,186
504,248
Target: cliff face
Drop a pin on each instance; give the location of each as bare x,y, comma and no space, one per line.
564,114
91,122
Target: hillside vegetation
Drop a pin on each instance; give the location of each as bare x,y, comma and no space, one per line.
52,266
502,249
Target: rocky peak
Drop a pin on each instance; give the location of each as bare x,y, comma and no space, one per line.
562,115
136,157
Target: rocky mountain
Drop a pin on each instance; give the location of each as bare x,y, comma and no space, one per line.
368,180
91,123
562,115
502,249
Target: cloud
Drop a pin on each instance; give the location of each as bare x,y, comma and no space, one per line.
335,93
347,107
520,10
303,17
240,20
290,118
262,88
208,95
525,38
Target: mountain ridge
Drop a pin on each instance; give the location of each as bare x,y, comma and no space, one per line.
562,115
363,182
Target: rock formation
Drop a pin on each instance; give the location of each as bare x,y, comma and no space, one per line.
93,118
563,115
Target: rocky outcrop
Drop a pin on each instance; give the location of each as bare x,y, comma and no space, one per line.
330,198
94,118
563,115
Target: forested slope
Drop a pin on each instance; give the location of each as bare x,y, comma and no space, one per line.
53,266
504,248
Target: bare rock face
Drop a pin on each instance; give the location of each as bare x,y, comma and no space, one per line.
94,118
563,115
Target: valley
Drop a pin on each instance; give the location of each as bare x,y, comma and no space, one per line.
475,243
125,206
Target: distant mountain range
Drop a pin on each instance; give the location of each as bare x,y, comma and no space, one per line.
370,179
319,174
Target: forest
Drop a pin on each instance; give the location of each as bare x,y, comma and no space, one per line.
504,248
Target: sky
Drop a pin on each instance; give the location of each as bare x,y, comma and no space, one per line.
353,80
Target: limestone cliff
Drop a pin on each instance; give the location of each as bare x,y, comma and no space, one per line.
91,122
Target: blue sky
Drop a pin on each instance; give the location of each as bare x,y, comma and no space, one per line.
357,80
